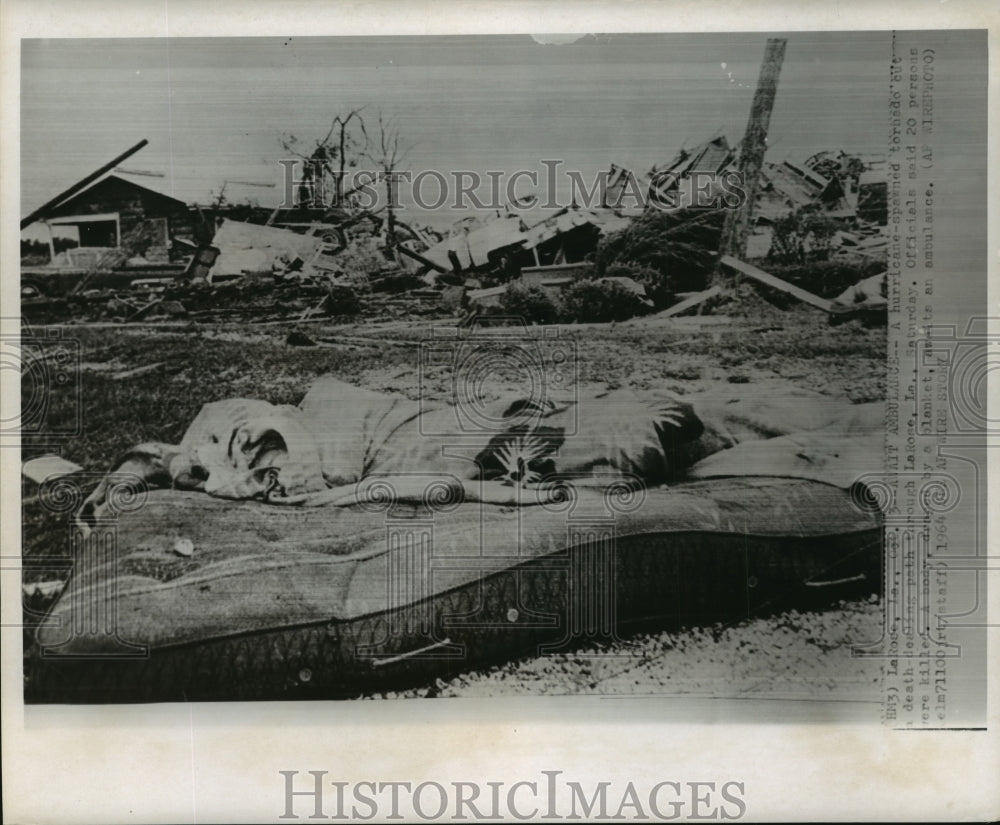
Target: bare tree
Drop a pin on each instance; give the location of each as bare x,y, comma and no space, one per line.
387,152
344,145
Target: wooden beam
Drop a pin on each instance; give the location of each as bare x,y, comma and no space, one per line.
76,187
420,258
736,229
776,283
689,302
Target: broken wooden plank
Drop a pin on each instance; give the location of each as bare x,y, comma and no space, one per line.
358,340
489,292
135,372
770,280
420,258
689,302
308,312
79,185
142,311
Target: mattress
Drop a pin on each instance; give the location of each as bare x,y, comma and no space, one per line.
189,597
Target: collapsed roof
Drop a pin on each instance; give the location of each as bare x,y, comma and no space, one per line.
475,244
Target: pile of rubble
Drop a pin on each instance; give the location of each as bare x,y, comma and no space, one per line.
302,262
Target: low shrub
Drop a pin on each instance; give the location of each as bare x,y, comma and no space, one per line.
599,302
657,287
828,278
675,248
532,303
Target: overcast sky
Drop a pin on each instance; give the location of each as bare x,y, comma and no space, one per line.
214,109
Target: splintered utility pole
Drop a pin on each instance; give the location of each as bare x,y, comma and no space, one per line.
736,229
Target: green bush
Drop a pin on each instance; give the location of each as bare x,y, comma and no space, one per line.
532,303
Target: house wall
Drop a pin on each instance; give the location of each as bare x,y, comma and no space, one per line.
133,204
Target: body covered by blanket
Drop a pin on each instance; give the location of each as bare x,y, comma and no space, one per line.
340,436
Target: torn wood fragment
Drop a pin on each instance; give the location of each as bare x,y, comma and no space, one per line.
137,371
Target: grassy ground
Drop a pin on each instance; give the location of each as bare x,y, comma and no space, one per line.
197,363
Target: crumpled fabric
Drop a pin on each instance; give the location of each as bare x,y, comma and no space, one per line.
767,429
341,434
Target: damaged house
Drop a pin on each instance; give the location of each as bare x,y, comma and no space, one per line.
107,212
713,157
787,186
565,237
570,235
873,198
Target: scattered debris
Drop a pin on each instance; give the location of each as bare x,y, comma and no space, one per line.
481,299
312,310
473,244
137,371
246,247
48,467
184,547
422,259
249,264
713,157
297,338
868,297
870,293
787,186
